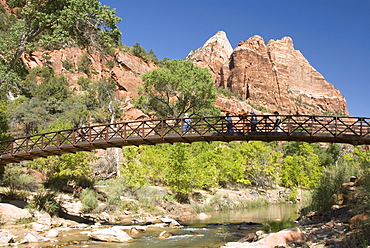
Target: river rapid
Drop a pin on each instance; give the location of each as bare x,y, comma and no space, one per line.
215,231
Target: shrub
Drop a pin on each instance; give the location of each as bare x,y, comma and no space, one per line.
16,178
67,64
46,201
89,199
84,64
110,64
276,226
330,184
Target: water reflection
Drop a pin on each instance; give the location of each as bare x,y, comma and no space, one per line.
259,215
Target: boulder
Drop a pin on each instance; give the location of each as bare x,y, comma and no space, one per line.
40,227
53,233
10,212
110,235
131,229
273,240
164,235
202,216
34,238
6,237
43,218
356,221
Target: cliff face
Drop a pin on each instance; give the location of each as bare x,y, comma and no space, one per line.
269,77
264,77
125,69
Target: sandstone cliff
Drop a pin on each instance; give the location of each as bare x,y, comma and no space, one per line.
125,69
263,77
269,77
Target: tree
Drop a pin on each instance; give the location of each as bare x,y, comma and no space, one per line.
261,163
301,169
15,178
67,168
30,113
178,88
51,24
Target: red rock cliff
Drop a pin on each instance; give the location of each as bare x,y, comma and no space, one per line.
269,77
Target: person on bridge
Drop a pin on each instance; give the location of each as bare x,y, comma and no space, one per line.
81,134
254,121
186,123
229,123
277,124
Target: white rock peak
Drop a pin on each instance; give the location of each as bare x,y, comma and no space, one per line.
220,38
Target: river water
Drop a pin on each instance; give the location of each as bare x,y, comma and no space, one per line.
211,232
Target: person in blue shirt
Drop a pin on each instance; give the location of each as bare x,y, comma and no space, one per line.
186,123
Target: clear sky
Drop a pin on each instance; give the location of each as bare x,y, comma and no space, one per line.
333,35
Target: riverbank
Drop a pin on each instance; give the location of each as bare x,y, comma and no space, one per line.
319,229
22,225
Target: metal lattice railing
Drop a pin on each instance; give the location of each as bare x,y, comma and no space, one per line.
338,129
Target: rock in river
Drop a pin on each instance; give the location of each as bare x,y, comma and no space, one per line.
110,235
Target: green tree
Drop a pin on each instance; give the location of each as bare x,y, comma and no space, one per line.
178,88
50,24
30,113
134,172
301,169
67,168
53,94
180,174
4,116
139,51
261,162
16,178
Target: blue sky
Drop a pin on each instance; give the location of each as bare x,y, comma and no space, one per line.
333,35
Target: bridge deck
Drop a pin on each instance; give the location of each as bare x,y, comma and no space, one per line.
331,129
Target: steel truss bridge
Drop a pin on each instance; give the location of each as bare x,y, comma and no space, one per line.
330,129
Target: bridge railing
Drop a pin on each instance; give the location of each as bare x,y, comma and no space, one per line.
332,126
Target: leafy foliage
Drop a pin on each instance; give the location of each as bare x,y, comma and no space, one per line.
178,88
188,167
46,201
16,178
301,169
67,168
89,199
51,25
139,51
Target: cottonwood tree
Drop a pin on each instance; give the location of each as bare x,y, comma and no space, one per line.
177,88
53,24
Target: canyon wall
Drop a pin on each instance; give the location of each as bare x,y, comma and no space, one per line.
263,77
269,77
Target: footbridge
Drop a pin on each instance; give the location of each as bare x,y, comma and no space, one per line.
330,129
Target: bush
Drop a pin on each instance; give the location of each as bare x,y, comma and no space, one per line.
110,64
276,226
330,184
89,199
67,64
84,65
16,178
46,201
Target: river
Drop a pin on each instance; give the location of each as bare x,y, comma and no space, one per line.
215,231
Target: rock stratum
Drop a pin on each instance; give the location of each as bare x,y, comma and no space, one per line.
264,77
